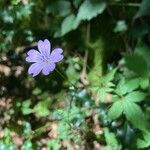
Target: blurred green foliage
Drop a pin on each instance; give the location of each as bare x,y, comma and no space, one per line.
98,98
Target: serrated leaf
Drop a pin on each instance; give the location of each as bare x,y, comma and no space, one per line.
135,96
101,93
90,9
96,71
116,110
69,23
132,84
137,64
109,77
110,84
121,88
145,142
124,87
115,98
134,114
105,85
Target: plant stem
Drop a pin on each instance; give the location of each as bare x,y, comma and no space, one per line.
125,4
73,85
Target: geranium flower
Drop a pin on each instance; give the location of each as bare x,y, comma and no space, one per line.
43,60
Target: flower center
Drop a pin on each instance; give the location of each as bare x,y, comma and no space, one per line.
47,61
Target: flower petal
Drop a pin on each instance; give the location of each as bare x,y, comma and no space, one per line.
35,69
34,56
44,47
48,68
56,55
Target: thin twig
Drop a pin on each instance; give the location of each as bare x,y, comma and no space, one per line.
84,72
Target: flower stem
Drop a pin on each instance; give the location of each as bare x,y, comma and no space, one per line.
64,77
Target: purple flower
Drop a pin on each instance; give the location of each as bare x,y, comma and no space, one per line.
43,60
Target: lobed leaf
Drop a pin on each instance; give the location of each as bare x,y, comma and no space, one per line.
116,110
134,114
135,96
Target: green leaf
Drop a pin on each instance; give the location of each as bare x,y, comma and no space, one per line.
69,23
41,109
132,84
124,87
96,71
120,26
27,145
121,88
64,131
115,98
144,51
77,3
137,64
116,110
72,73
26,107
134,114
145,142
55,7
36,91
108,77
141,28
110,137
112,147
135,96
90,9
101,93
144,9
105,84
144,83
53,144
